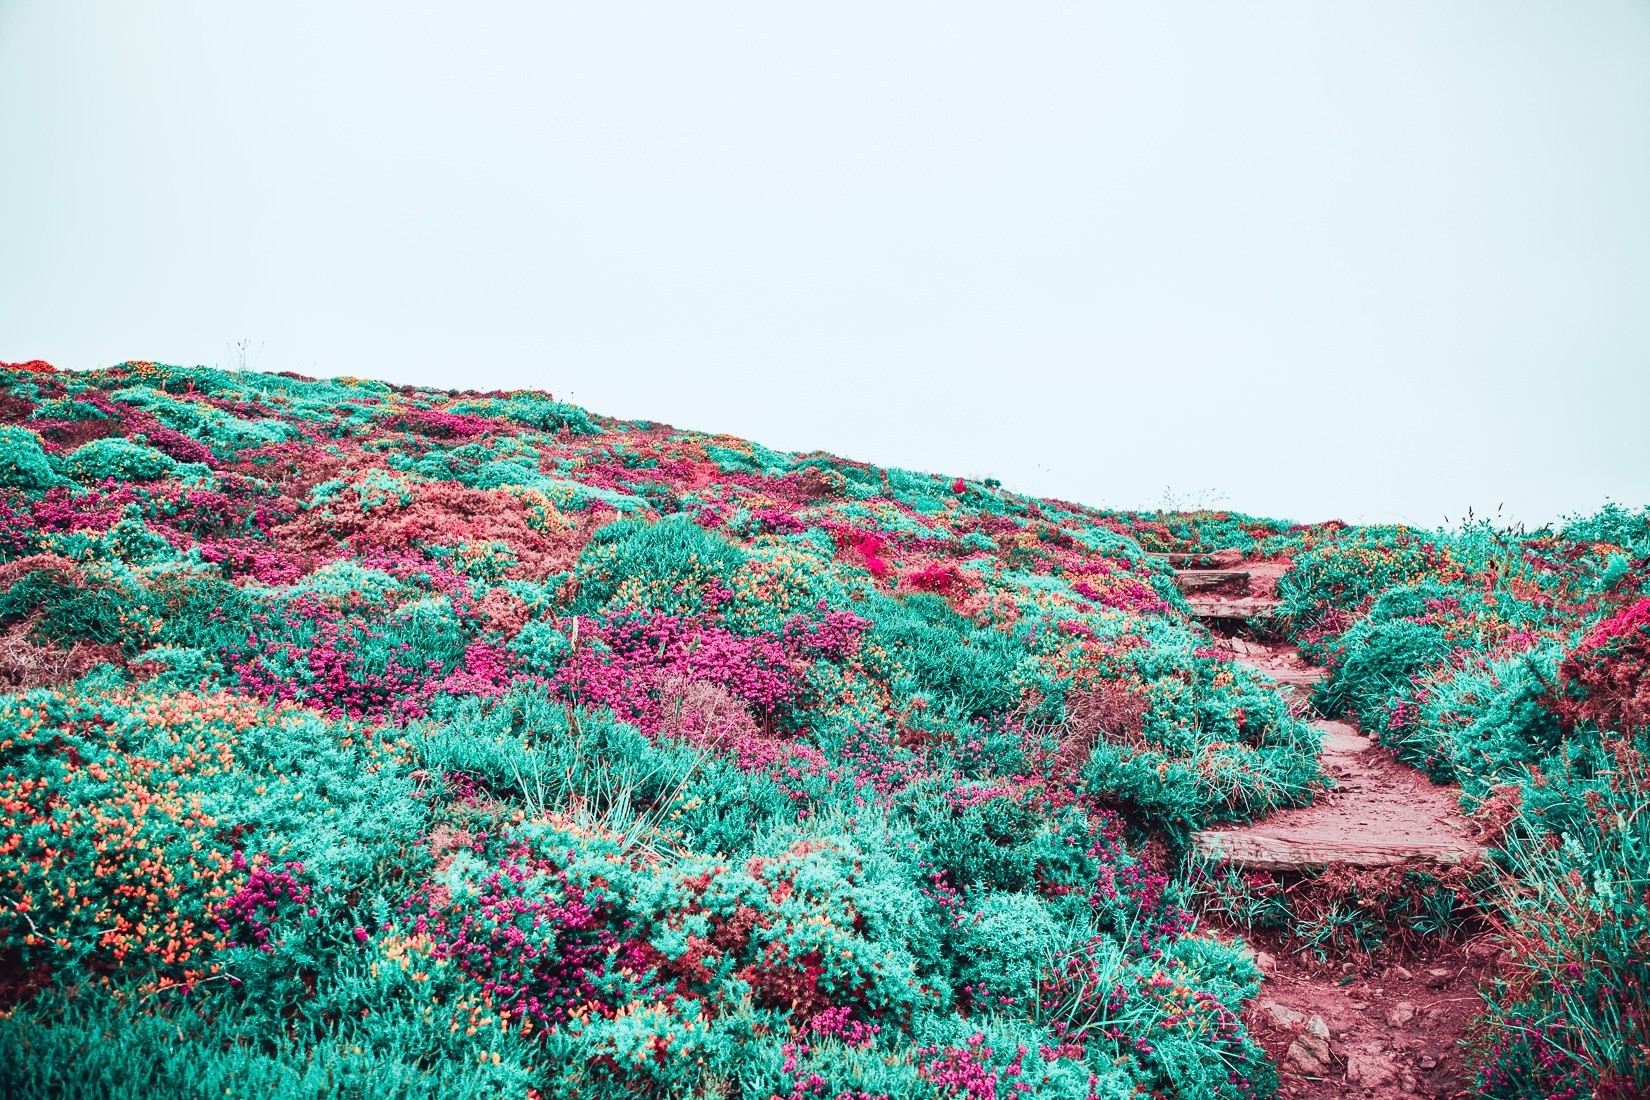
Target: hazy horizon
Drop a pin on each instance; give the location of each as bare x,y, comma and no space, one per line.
1370,263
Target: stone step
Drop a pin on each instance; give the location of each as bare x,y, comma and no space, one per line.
1212,559
1257,850
1180,561
1236,610
1235,581
1295,677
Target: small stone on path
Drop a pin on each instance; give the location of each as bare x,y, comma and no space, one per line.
1371,1069
1282,1017
1309,1054
1400,1014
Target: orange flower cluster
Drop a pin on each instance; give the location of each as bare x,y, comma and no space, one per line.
110,852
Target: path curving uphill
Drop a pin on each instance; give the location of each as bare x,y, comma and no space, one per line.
1380,812
1335,1029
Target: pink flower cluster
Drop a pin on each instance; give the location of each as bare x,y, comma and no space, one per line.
838,1022
312,653
537,941
636,653
257,904
968,1072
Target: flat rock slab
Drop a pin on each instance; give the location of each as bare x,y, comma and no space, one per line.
1232,581
1289,674
1236,608
1214,559
1274,661
1341,742
1257,851
1380,813
1295,677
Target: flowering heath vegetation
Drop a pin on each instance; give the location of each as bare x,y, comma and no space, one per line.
367,740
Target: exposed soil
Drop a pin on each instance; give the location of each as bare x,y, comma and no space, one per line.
1385,1033
1354,1028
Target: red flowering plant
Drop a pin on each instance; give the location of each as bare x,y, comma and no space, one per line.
1605,679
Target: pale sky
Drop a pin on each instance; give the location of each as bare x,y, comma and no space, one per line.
1367,261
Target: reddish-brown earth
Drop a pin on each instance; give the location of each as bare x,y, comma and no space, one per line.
1391,1030
1356,1026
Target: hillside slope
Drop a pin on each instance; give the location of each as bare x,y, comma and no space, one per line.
390,742
361,740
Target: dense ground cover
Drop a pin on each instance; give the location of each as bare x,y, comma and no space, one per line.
377,741
1513,663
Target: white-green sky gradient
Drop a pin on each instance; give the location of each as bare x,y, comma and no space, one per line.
1359,260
